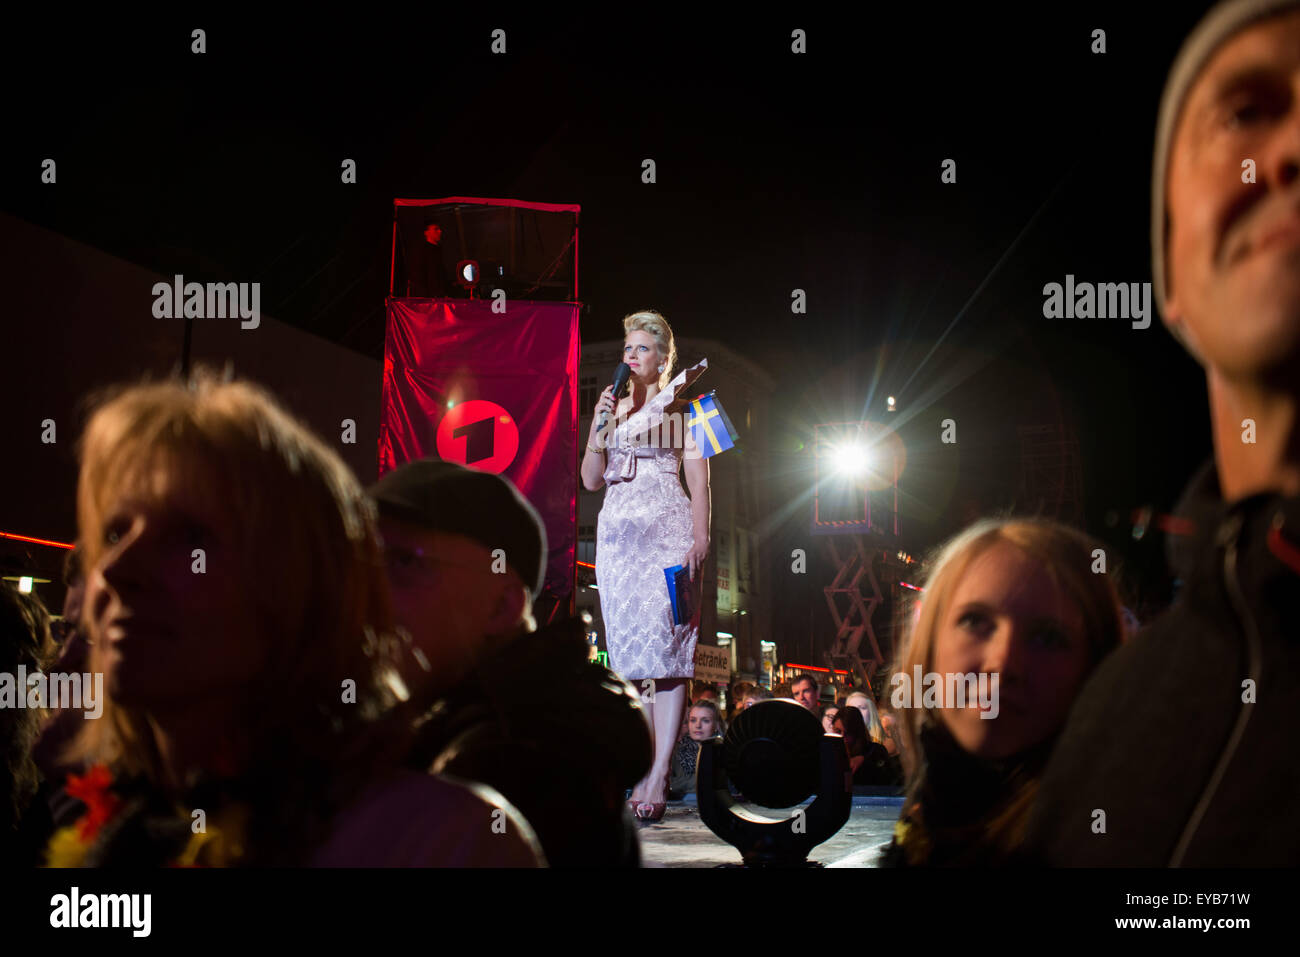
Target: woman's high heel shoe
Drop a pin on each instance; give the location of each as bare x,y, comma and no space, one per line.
656,808
656,812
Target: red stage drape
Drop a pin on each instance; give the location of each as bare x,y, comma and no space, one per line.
497,392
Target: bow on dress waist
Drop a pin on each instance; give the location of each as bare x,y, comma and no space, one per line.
622,462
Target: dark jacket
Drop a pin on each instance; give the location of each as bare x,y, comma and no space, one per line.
1160,739
561,737
879,769
949,823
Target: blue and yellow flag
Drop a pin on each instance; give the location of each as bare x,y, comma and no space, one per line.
710,428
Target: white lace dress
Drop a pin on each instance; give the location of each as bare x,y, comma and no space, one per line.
645,525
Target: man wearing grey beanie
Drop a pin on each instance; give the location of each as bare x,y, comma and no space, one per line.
1181,751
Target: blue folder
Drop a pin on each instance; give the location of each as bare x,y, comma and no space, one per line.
681,593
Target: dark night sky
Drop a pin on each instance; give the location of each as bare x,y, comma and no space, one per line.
774,172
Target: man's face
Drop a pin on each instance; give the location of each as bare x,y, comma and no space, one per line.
1234,247
806,694
433,233
446,596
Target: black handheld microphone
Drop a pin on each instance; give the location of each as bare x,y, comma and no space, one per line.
621,375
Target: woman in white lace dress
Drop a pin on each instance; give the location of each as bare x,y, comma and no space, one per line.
648,524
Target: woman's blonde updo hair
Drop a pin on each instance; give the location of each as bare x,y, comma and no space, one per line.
655,326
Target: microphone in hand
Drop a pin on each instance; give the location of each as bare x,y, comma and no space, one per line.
621,375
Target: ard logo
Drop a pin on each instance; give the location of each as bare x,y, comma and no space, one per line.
479,434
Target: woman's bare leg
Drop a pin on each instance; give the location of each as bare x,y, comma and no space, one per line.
664,713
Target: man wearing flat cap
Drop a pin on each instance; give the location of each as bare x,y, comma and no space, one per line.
1181,750
497,700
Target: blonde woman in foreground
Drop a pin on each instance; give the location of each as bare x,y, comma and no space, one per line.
237,607
1016,599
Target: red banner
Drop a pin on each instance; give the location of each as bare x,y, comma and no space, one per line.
493,391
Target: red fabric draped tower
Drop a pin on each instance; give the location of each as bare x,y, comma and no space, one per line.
490,382
496,392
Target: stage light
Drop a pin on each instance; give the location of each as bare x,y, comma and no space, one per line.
25,584
468,273
891,404
725,634
29,579
777,757
852,459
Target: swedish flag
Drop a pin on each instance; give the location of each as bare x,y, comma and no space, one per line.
710,428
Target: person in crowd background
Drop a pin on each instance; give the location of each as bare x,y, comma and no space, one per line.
805,691
892,740
870,716
703,690
739,693
755,695
868,761
828,717
704,721
64,723
26,647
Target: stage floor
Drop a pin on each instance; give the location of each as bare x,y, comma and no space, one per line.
682,840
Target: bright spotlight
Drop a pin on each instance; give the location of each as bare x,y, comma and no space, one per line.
852,459
891,404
